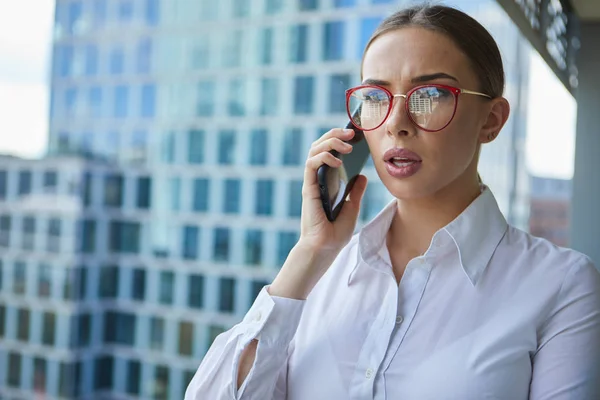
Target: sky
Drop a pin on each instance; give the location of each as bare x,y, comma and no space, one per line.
25,51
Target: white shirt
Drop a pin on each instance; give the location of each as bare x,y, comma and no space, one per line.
489,312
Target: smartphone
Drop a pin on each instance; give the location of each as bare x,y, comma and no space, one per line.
336,183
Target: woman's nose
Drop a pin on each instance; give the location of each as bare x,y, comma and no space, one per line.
398,122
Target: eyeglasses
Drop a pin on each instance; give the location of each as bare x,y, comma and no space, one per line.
430,107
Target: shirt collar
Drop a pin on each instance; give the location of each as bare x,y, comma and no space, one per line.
475,233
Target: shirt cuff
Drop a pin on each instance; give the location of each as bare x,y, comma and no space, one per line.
272,320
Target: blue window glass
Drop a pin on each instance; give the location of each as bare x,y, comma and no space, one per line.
206,99
226,294
125,10
344,3
121,103
119,328
5,229
264,197
259,147
231,196
241,8
273,6
303,95
19,277
143,192
237,93
63,61
95,101
333,41
367,27
25,178
91,60
75,12
196,144
144,56
266,46
175,191
253,253
292,146
196,291
108,283
3,184
113,190
148,101
338,84
134,373
99,9
168,148
227,147
70,102
299,43
166,286
221,245
191,236
117,61
88,236
138,284
287,240
308,4
269,103
152,12
295,199
232,50
200,194
124,237
157,333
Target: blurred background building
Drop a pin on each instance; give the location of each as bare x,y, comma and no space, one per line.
170,194
550,203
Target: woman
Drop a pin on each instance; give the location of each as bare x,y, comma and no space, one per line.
437,297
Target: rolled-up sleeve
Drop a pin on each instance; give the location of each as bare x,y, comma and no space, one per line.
567,362
271,320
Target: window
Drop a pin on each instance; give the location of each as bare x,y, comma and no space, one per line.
74,14
113,190
5,229
3,184
232,49
231,196
139,146
125,10
196,291
88,236
273,6
157,333
168,148
186,338
117,61
287,240
333,42
40,371
49,328
24,182
152,12
44,280
213,332
91,60
226,294
196,144
28,239
138,284
1,274
99,12
121,102
269,103
124,237
103,368
70,103
344,3
167,284
292,146
23,315
50,180
134,374
256,287
54,232
175,193
237,98
338,84
119,328
241,8
265,50
109,282
254,238
200,195
227,144
303,95
148,101
2,320
299,43
68,378
161,383
200,57
307,4
63,62
206,99
259,147
143,62
20,272
221,245
191,236
144,192
84,329
295,199
264,197
367,27
14,370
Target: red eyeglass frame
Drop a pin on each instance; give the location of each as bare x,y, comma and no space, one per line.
454,90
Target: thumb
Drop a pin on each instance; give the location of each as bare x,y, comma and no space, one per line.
352,206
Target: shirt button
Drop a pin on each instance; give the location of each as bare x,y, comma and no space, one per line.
399,320
258,316
369,373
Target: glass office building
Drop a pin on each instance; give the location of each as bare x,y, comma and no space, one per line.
171,191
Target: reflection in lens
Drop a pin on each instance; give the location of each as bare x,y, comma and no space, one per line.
373,103
431,108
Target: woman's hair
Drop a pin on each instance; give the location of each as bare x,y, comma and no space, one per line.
468,34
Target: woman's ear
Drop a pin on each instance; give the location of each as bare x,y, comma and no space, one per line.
498,111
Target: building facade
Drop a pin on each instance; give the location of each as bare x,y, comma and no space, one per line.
178,135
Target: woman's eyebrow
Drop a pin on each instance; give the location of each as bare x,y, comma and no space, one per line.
431,77
377,82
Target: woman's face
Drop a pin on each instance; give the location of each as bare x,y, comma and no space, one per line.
401,60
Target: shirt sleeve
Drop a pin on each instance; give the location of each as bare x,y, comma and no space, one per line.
271,320
567,362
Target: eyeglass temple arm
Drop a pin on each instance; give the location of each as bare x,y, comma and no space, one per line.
475,93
